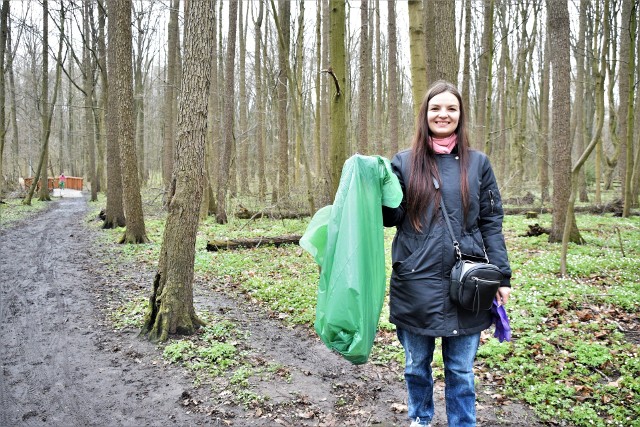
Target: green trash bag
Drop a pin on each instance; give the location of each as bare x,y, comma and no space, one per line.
346,239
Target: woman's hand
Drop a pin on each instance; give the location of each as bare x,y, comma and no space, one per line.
502,296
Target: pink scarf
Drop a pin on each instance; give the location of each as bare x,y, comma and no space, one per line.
444,145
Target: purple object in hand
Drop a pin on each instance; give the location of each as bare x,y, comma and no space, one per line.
500,319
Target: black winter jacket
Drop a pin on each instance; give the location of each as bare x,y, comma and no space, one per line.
422,262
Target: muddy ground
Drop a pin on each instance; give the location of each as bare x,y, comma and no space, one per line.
63,364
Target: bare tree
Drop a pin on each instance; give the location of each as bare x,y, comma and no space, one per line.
417,46
338,73
114,211
135,231
561,159
228,116
171,309
4,14
365,79
393,78
170,95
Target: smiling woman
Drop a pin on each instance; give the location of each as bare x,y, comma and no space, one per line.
441,170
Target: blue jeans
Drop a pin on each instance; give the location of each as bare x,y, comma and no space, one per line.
458,354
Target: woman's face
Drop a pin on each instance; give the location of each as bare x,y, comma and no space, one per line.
443,113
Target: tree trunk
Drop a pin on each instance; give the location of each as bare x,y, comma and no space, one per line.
13,109
379,128
561,159
46,119
446,59
284,16
466,73
44,161
135,231
417,43
114,211
170,96
578,119
631,34
242,141
364,94
4,14
599,89
260,108
171,309
393,79
228,116
484,75
87,87
543,139
624,87
338,117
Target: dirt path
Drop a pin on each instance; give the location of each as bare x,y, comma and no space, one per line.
63,365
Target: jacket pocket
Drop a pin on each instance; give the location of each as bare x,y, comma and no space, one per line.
417,256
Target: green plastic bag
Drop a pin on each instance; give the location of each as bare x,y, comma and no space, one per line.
346,239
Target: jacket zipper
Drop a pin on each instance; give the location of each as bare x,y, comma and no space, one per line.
491,199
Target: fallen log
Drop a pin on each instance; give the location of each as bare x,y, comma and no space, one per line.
244,213
254,242
536,230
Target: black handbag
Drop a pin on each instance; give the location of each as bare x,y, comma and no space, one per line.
474,280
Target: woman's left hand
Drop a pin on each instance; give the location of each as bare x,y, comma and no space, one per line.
503,295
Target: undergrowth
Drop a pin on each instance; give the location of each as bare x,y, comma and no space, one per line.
574,353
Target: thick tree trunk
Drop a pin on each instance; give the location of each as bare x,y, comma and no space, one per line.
338,117
171,309
446,58
114,212
135,231
417,44
561,159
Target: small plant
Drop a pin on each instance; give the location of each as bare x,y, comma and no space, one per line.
178,351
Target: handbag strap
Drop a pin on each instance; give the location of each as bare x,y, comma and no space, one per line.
445,214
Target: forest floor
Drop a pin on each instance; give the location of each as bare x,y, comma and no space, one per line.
64,363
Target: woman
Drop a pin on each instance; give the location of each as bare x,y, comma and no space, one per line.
423,253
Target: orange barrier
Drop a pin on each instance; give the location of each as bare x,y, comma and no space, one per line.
72,183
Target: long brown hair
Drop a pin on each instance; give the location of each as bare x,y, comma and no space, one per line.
421,192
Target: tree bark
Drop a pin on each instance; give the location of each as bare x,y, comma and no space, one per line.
561,160
171,309
260,108
135,231
114,211
170,95
417,43
631,64
338,109
4,14
87,86
543,139
364,94
228,116
392,84
446,58
484,75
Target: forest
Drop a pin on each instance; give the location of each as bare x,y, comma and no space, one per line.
188,121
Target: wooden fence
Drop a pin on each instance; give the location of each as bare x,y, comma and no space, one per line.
72,183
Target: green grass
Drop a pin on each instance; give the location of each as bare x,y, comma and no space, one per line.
12,210
569,358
